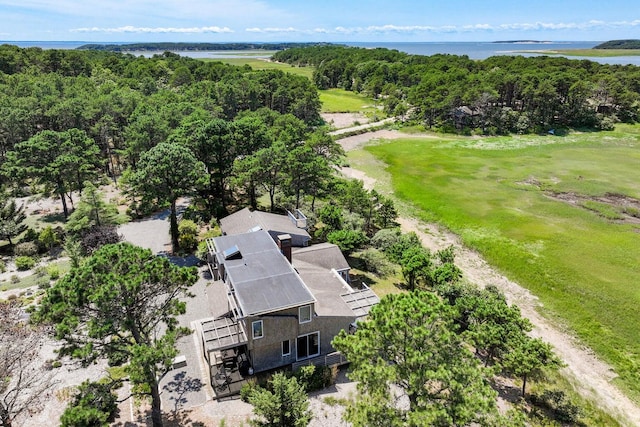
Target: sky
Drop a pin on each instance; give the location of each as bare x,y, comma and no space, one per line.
312,20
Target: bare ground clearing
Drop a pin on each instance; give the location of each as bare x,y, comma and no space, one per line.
591,376
344,120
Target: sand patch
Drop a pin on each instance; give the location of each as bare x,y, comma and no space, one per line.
344,120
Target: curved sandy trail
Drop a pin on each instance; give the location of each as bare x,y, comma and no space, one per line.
591,377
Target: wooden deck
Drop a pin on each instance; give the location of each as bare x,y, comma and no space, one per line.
227,378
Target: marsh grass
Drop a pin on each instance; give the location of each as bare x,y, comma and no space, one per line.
602,209
493,193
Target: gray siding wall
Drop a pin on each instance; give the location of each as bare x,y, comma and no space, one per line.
266,352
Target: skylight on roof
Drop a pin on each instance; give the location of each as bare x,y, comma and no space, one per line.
254,229
232,253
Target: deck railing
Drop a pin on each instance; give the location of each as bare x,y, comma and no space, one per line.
331,359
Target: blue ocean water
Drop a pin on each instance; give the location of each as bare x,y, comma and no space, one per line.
483,50
474,50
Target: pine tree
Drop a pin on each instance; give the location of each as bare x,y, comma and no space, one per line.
11,220
286,406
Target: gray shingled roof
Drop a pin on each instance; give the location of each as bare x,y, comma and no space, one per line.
325,255
263,280
245,220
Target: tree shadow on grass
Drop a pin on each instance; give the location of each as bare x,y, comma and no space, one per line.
358,279
507,390
53,218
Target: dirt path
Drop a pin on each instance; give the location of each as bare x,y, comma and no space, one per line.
591,377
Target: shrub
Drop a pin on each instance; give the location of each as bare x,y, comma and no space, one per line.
247,390
202,250
93,405
54,272
98,237
24,263
315,377
385,238
187,235
3,266
557,402
30,235
352,221
348,240
331,217
49,238
376,262
406,241
26,249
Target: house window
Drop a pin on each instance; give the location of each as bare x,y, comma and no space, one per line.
308,345
304,314
286,348
256,327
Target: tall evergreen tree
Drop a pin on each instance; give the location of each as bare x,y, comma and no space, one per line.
122,302
165,173
406,351
11,220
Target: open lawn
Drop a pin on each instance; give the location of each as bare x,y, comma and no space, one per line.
343,101
558,214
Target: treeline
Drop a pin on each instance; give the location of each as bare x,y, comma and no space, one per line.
68,117
164,46
619,44
498,95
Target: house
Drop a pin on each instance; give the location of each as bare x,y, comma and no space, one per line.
284,304
464,116
294,224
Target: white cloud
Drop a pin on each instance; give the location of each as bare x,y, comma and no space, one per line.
275,30
132,29
447,29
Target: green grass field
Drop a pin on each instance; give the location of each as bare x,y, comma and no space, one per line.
342,101
496,194
261,64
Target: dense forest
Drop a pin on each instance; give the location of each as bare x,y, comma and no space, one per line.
171,46
498,95
619,44
69,116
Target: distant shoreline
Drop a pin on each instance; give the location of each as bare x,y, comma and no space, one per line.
522,42
592,53
478,50
192,47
